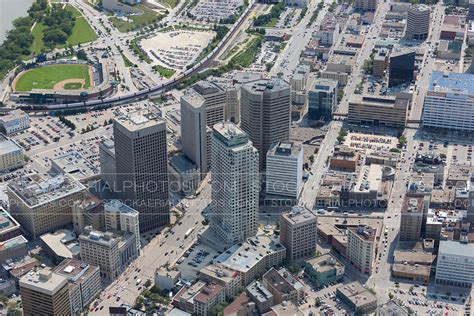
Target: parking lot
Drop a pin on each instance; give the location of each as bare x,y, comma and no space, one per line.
370,143
195,258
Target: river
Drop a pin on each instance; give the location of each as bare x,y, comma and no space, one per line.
9,11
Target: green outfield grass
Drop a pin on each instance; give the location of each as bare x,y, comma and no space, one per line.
46,77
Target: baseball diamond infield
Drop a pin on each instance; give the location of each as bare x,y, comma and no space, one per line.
54,77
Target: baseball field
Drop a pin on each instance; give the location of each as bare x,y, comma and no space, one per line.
54,77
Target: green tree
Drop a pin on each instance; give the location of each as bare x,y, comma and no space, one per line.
147,283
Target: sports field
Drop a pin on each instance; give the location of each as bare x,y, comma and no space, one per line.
49,77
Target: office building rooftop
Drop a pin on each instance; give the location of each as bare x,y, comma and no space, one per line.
205,87
75,270
455,83
63,243
299,214
107,239
230,134
259,292
35,191
7,222
209,292
380,101
43,281
74,164
8,146
288,149
456,248
278,282
364,232
356,293
13,243
243,258
266,85
139,120
326,263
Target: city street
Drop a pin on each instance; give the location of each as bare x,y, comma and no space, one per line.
165,248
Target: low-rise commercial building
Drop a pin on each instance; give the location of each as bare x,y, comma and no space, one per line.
43,205
185,176
282,289
15,121
357,298
209,296
253,258
324,269
166,278
227,278
60,245
13,248
370,110
344,159
261,296
12,155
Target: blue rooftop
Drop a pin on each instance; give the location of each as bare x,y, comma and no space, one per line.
457,83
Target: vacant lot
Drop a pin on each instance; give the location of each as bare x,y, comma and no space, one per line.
46,77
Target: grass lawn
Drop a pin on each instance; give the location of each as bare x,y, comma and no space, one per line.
81,33
46,77
73,10
147,17
169,3
164,72
38,38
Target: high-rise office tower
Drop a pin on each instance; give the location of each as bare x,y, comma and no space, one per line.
235,184
195,135
265,113
402,67
201,107
215,101
141,164
418,22
284,176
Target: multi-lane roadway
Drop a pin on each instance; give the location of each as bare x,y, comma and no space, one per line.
166,248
